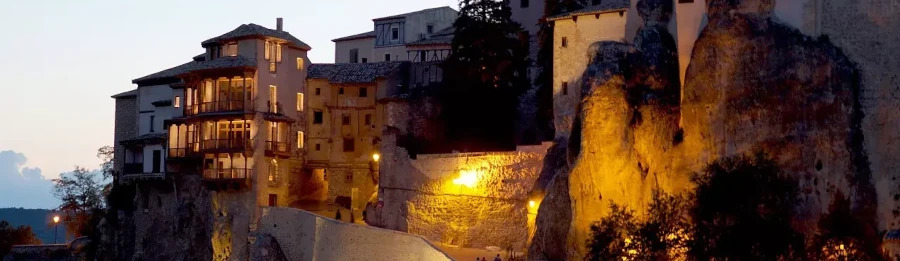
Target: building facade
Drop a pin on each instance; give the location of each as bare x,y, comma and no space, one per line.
388,41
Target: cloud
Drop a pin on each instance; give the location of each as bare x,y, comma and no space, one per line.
23,186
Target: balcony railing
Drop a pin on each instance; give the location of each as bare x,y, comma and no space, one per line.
177,152
217,106
226,144
226,174
133,168
273,107
277,147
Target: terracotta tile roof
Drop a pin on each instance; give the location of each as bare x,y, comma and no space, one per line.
171,72
352,72
356,36
220,63
402,16
254,30
442,37
128,94
606,6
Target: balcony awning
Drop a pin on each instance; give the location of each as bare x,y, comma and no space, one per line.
146,139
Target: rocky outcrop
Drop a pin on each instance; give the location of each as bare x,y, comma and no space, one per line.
753,84
266,248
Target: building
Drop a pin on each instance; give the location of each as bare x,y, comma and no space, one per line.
388,40
234,115
345,125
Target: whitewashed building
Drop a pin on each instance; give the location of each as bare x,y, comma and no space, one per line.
388,41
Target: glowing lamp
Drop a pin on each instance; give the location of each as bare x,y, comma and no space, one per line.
55,219
467,178
376,157
531,203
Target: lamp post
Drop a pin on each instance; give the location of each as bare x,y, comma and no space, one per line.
55,228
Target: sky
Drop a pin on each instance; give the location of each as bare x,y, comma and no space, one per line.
62,60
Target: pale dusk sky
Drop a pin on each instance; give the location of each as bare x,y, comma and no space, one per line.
62,60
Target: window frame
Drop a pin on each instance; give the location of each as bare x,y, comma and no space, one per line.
387,57
345,119
363,92
318,117
349,145
395,29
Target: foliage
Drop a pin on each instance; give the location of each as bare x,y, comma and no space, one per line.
743,211
106,154
662,236
842,235
484,76
81,193
10,236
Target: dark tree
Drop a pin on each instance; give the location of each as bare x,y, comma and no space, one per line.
484,77
611,236
662,236
81,193
842,235
10,236
544,79
743,211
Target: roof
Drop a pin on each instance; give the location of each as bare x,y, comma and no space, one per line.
607,6
356,36
402,16
150,138
352,72
254,30
171,72
442,37
220,63
128,94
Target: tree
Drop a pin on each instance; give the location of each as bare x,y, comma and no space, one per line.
662,236
106,154
484,76
611,237
842,235
743,211
81,194
10,236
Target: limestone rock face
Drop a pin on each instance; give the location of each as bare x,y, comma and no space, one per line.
266,248
756,84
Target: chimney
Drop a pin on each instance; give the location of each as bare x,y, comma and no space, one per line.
280,26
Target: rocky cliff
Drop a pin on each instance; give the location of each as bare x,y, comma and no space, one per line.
753,84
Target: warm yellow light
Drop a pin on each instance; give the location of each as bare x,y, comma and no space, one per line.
842,246
55,219
376,157
467,178
531,203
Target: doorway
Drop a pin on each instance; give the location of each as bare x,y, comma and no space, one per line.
273,200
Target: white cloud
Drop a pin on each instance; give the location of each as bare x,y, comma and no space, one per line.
23,186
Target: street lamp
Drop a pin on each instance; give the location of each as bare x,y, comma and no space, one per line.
55,227
376,157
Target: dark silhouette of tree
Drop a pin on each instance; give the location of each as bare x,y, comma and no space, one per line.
842,235
81,193
10,236
611,237
483,77
743,211
662,236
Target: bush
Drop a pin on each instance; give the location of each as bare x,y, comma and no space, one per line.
662,236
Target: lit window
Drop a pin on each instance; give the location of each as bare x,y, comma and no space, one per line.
299,64
268,50
278,53
299,139
299,101
177,102
363,92
231,49
273,99
272,67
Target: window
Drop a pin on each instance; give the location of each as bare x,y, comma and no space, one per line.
349,177
273,200
363,92
177,102
231,49
317,117
272,67
429,28
565,42
395,33
524,3
565,88
277,53
152,119
299,101
318,91
368,119
348,145
345,119
341,90
299,139
299,64
422,55
354,55
365,60
387,57
273,99
318,147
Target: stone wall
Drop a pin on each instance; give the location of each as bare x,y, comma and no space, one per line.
420,197
125,128
75,250
301,235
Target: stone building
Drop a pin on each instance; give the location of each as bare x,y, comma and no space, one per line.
388,41
345,125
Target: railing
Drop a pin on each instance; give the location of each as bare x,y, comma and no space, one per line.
277,147
273,109
225,144
216,106
177,152
225,174
133,168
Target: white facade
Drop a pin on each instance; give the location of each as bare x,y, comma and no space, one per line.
391,34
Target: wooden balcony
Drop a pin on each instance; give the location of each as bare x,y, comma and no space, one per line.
217,106
135,171
226,146
276,148
232,178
